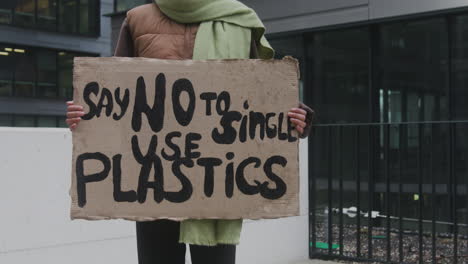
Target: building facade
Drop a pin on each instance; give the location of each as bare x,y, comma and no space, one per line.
38,41
389,154
388,161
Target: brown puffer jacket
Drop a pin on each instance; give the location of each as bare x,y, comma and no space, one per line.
147,32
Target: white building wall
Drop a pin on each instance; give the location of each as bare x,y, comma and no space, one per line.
35,166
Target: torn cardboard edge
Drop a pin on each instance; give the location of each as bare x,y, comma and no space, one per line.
105,67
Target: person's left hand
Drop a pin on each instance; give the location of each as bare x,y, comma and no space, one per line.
298,117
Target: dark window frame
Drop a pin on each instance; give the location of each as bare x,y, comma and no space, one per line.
34,50
35,119
96,33
374,28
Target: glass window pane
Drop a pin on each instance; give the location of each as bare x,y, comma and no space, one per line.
24,12
47,14
6,73
6,120
413,71
123,5
460,68
291,46
46,121
5,15
24,72
24,121
68,16
340,77
65,60
89,16
61,121
47,73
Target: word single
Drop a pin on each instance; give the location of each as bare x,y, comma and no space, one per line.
233,124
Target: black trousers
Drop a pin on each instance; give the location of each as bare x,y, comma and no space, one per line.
158,243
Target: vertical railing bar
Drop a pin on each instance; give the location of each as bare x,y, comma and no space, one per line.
330,190
420,190
312,203
450,22
433,192
358,192
466,179
370,190
341,189
308,96
453,127
387,177
400,190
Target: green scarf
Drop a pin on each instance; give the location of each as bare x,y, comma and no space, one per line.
226,27
225,32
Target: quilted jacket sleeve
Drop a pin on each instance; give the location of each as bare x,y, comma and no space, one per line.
124,47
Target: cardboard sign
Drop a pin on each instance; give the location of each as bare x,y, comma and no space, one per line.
185,139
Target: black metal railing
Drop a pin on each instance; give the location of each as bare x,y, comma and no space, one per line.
393,193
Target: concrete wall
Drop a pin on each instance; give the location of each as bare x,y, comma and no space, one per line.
283,16
35,165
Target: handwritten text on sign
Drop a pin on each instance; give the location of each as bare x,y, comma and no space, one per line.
184,139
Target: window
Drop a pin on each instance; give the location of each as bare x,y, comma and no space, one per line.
291,46
25,74
10,120
61,122
6,120
24,12
413,71
407,62
124,5
47,121
87,14
65,74
47,73
24,121
5,15
47,14
460,66
36,72
68,16
339,75
6,72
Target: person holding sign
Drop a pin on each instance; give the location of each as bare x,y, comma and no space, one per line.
198,30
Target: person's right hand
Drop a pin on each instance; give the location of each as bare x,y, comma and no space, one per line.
74,114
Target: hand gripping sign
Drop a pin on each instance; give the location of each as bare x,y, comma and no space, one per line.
185,139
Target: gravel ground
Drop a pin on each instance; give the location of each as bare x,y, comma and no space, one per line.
410,245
